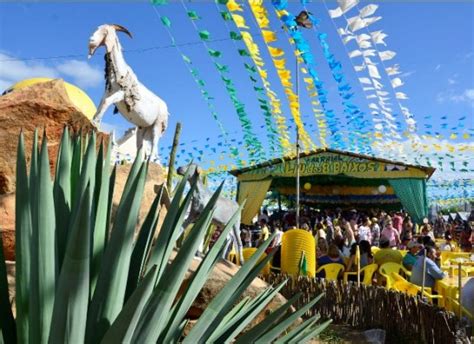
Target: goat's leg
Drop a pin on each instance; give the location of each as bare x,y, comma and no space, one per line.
238,241
140,138
157,130
105,103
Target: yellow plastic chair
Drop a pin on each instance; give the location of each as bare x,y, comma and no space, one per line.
387,269
446,256
249,252
368,272
402,285
403,252
233,256
294,243
331,271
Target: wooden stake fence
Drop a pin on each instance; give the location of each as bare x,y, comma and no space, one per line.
405,319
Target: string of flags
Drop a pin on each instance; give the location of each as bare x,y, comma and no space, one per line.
383,125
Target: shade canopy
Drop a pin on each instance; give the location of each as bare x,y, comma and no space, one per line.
332,177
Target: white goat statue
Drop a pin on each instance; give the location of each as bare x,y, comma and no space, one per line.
225,209
131,98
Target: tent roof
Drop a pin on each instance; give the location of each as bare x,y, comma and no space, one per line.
428,170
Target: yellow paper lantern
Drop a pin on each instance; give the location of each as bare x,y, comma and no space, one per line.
307,186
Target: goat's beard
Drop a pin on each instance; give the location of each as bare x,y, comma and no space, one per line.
92,50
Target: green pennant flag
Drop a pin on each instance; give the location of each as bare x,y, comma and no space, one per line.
186,59
214,53
166,21
235,36
226,15
303,265
193,15
243,52
223,2
253,79
204,34
159,2
250,68
222,68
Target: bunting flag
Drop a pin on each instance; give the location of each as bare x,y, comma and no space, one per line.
252,143
258,68
279,61
201,85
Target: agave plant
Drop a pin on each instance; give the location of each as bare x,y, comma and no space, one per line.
81,277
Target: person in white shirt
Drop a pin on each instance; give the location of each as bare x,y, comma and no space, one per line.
448,245
364,231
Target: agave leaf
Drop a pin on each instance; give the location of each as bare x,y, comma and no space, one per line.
197,281
142,246
43,250
109,294
153,320
111,200
136,166
6,316
223,301
266,323
22,244
122,328
170,228
286,322
311,333
68,323
101,217
298,330
76,165
34,306
62,194
239,322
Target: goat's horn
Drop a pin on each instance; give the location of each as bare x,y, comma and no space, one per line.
123,29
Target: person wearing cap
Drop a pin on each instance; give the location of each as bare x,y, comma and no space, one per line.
386,254
411,257
448,245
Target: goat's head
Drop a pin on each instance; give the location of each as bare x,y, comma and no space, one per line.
194,171
105,35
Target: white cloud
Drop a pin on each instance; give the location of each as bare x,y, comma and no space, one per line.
452,81
82,73
467,96
77,72
437,68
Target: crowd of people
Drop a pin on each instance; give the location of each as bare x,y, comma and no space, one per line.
338,233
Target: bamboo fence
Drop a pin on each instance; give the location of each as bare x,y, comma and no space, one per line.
405,319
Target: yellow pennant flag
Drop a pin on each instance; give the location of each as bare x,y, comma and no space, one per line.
276,52
233,6
239,21
269,36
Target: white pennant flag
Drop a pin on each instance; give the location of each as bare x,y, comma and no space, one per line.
368,52
378,85
373,106
347,5
382,93
371,96
387,55
341,31
356,23
365,44
359,68
363,37
366,89
365,81
368,61
378,37
348,38
400,95
394,70
396,82
378,126
368,10
373,72
355,53
335,13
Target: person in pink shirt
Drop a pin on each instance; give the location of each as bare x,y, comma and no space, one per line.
398,222
390,233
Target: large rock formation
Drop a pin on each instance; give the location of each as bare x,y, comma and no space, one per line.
43,105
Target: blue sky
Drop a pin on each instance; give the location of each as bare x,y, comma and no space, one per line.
434,42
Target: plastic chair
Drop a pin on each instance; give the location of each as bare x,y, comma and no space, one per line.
249,252
402,285
387,269
368,272
331,271
403,252
447,256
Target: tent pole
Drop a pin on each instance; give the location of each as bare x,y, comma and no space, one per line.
297,151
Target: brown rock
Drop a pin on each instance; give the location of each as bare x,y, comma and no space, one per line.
7,224
44,105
